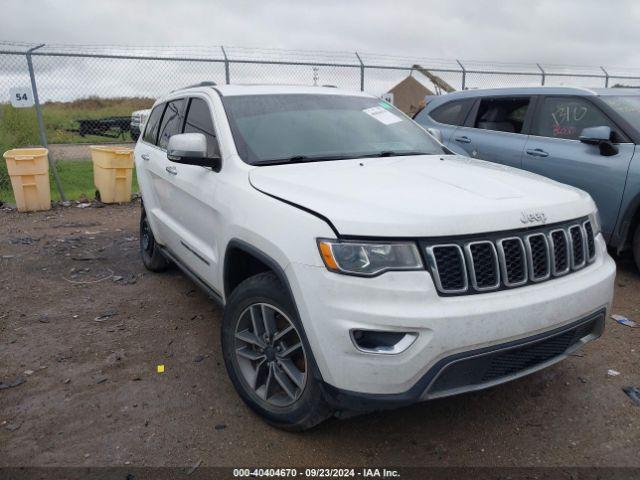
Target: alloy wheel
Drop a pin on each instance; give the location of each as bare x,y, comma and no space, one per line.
270,354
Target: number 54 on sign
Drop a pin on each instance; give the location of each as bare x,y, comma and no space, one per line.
21,97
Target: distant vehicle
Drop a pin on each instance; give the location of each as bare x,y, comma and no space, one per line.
110,127
137,121
587,138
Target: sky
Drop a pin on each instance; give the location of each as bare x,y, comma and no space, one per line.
550,32
566,32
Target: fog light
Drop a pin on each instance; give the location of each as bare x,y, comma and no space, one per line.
376,341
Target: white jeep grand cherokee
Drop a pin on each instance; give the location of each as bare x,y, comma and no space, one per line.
361,264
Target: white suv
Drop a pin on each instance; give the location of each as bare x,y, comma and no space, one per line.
362,265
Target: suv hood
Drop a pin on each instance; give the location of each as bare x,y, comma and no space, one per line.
422,196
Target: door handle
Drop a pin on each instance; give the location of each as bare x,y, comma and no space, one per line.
463,139
145,156
537,152
171,170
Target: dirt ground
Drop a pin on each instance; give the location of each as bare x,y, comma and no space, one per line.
91,396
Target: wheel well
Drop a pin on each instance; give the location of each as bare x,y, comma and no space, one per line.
240,265
634,224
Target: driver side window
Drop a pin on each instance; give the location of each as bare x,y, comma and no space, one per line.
566,117
199,120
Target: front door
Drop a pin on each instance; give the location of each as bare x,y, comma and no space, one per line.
553,150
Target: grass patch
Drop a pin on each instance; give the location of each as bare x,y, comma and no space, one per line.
19,127
76,177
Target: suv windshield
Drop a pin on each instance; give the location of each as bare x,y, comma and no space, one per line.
627,106
273,129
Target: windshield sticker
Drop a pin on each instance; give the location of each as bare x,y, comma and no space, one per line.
383,116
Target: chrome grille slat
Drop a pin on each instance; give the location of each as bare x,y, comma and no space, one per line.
578,256
437,260
560,256
538,257
513,259
590,241
483,266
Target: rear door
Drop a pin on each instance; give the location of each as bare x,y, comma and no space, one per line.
445,118
553,150
161,172
496,130
148,158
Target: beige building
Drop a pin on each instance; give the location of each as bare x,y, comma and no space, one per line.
408,95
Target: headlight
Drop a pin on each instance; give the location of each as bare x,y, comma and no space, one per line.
368,258
594,218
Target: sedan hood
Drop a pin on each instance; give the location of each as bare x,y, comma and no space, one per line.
424,195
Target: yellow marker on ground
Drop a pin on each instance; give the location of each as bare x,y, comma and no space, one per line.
160,368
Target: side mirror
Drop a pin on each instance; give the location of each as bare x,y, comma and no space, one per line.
191,149
435,133
601,136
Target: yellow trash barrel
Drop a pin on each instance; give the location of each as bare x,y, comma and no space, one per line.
29,172
112,173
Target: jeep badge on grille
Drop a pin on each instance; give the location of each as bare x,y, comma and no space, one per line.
532,217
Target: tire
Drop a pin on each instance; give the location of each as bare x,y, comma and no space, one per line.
636,246
276,379
152,257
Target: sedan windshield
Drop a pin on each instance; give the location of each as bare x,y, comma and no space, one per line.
290,128
627,106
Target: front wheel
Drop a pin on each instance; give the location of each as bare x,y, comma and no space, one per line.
268,361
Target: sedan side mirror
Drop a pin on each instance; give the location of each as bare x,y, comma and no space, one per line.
601,136
191,149
435,133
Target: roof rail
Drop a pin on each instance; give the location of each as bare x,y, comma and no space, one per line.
207,83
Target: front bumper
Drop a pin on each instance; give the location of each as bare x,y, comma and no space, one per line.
481,368
330,305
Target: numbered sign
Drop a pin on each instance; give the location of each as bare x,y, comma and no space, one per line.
21,97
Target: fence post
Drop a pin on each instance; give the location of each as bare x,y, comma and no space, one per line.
464,75
226,65
543,72
361,73
606,77
43,134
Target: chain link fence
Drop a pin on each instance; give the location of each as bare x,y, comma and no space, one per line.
86,94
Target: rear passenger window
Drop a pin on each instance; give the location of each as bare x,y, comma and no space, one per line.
450,113
199,120
502,114
151,130
171,122
566,117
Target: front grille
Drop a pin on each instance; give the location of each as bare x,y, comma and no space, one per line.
492,262
495,365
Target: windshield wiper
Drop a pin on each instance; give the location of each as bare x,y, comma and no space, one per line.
391,153
328,158
302,159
